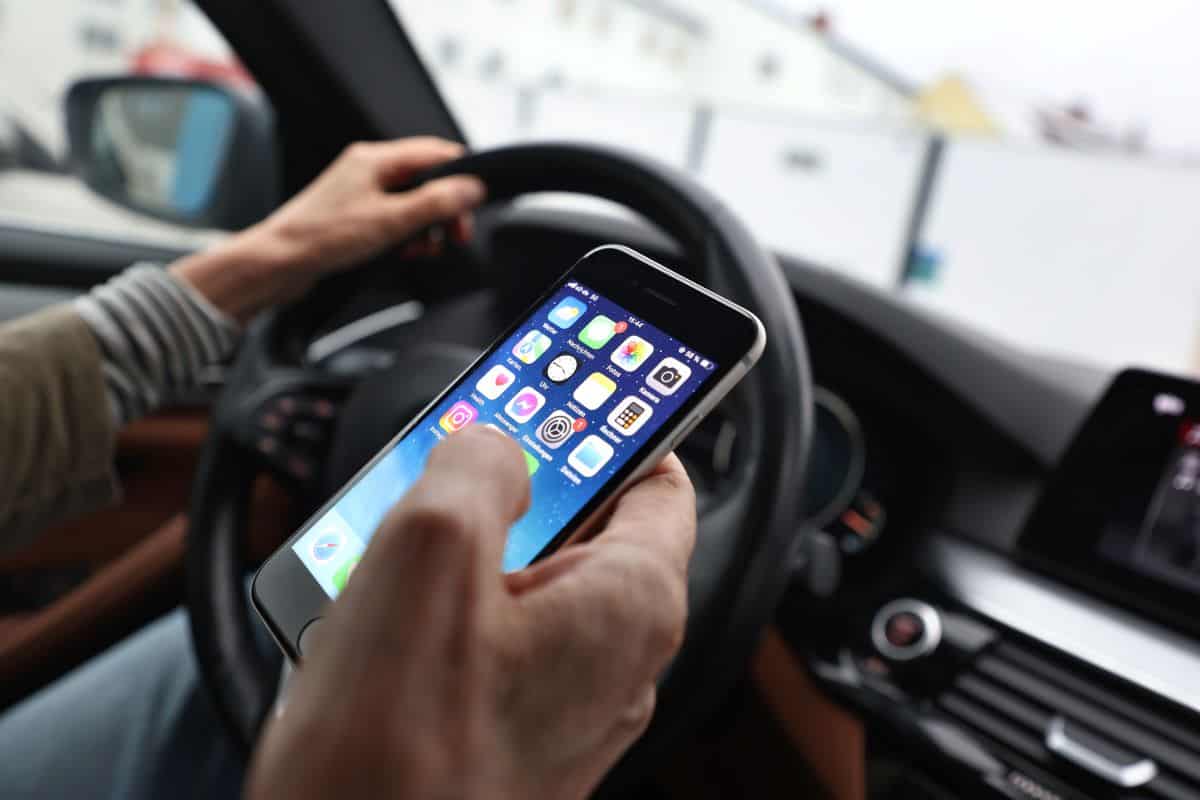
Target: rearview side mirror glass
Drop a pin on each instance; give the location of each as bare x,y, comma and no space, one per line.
189,152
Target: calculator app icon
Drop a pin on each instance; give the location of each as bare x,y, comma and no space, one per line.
630,415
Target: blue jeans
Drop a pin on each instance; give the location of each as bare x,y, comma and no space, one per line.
132,723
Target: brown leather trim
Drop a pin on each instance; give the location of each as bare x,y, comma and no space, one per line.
832,741
156,458
118,598
136,550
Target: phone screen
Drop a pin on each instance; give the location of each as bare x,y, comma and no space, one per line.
582,385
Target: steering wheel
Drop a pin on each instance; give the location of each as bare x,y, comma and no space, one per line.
740,565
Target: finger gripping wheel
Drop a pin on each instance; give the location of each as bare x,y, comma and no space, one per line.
739,568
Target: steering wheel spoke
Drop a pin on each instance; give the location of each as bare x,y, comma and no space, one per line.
289,428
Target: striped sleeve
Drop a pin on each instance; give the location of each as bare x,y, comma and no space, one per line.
157,335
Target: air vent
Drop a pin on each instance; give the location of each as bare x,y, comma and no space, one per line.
1082,726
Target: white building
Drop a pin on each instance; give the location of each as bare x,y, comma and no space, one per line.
726,52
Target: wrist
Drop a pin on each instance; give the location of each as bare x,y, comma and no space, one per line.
242,275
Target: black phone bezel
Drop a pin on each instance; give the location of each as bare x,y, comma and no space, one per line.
287,597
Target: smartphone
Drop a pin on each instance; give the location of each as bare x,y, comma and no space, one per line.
602,378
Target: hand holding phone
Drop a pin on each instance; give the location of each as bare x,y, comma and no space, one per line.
436,674
596,384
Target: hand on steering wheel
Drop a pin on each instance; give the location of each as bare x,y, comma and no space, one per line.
344,217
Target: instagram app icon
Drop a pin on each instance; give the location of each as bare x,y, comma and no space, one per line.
460,415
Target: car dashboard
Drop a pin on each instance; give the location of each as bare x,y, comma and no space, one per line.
971,632
984,669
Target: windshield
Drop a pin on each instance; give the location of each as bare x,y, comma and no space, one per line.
1030,169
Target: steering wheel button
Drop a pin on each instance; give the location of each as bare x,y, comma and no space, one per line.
300,467
323,409
308,431
271,421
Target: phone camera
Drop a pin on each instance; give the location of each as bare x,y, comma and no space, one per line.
667,375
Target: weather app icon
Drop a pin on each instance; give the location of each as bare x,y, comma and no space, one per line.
568,312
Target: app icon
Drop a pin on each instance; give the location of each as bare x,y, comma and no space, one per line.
460,415
527,403
342,576
561,368
668,376
556,429
531,347
629,416
531,461
590,456
592,393
327,545
598,332
495,382
632,353
568,312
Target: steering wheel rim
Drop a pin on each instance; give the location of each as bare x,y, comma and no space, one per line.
740,567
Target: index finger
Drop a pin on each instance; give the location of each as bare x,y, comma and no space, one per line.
475,485
399,159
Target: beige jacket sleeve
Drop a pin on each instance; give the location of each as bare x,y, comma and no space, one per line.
57,432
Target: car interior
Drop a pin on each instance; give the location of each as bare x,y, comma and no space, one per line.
932,563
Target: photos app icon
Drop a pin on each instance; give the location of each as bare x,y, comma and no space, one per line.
632,353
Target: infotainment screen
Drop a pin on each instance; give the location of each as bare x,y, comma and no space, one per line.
1122,510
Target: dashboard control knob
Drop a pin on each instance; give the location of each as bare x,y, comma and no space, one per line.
906,629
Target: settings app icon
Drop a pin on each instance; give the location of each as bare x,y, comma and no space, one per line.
556,429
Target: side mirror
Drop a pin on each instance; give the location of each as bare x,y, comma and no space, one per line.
186,151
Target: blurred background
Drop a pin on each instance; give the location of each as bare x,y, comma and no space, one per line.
1030,169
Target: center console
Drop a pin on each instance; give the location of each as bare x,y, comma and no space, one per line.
1066,668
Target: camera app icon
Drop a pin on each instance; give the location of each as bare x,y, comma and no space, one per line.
668,376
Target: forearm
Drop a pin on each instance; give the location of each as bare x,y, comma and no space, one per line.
157,336
244,274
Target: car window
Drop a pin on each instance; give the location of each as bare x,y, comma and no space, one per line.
44,48
1029,171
